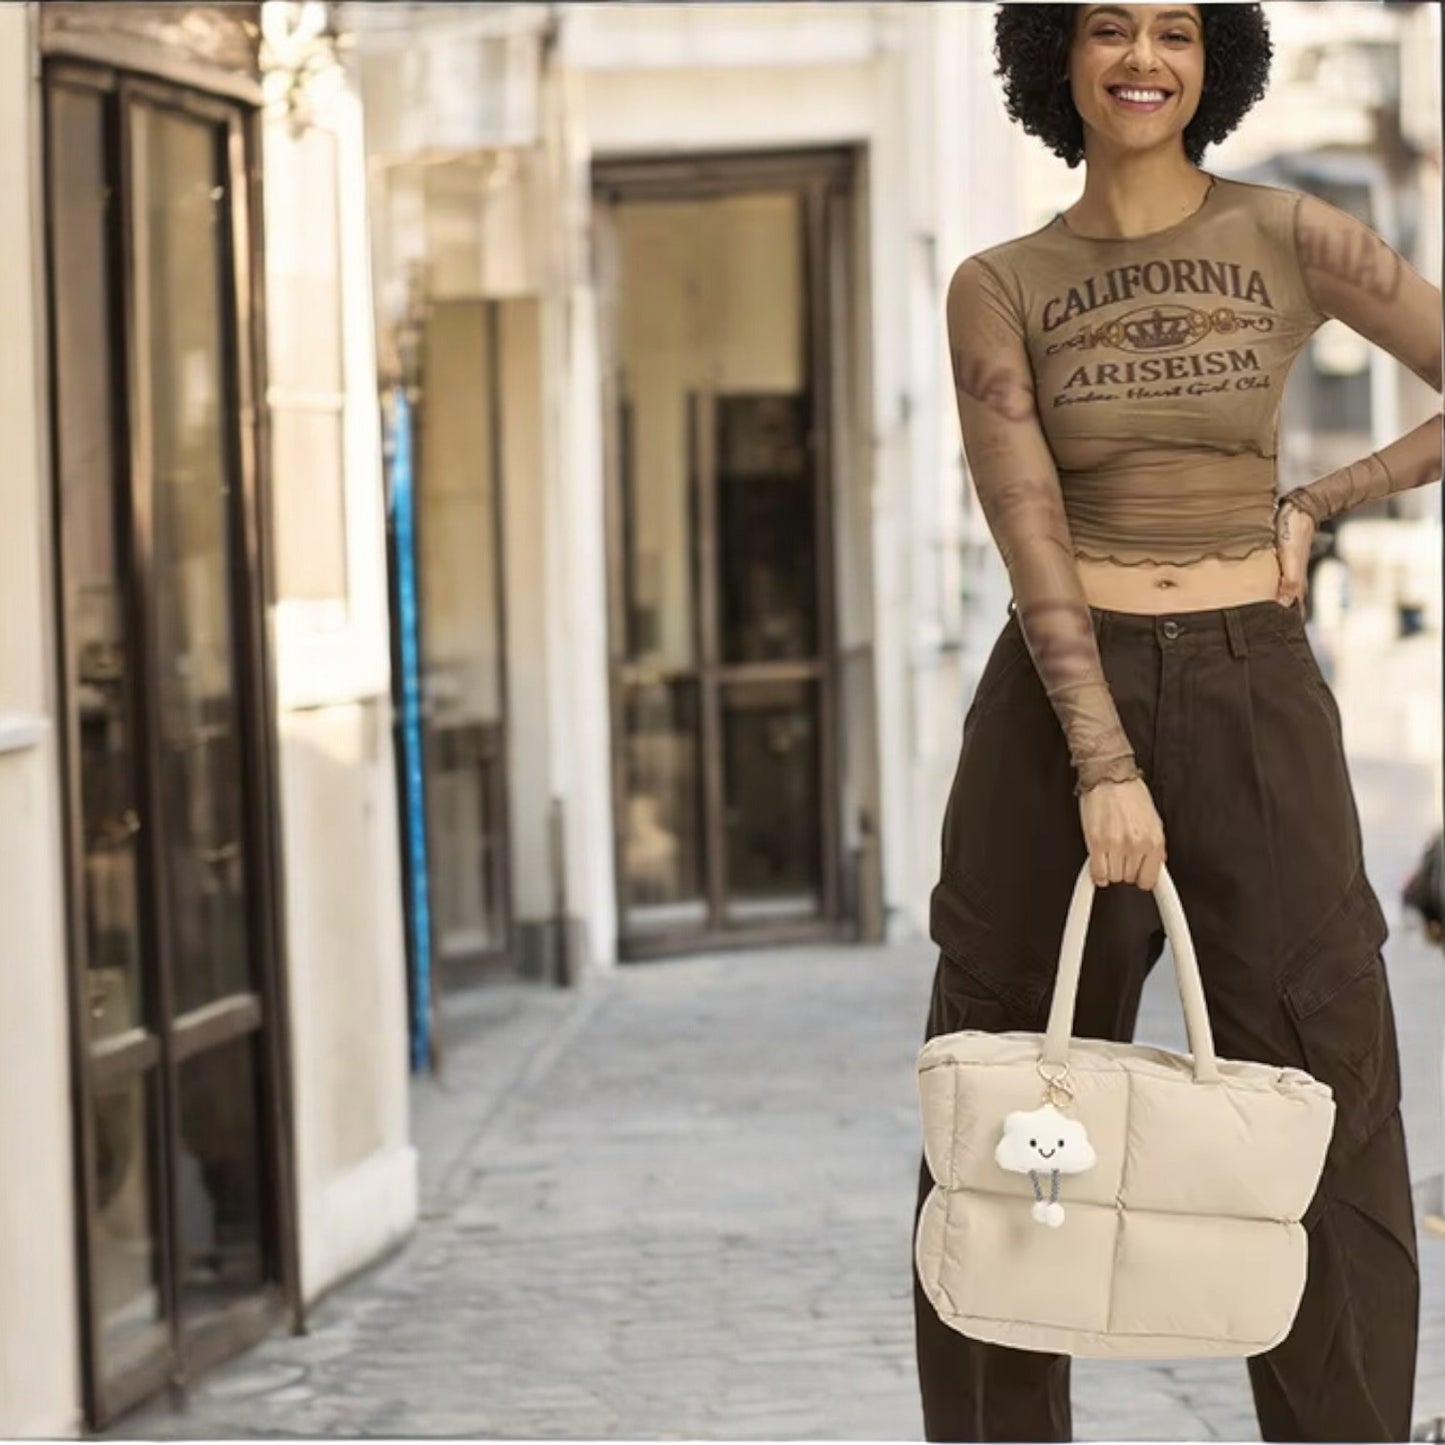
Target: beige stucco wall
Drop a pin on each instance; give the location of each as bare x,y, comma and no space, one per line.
355,1167
356,1171
39,1344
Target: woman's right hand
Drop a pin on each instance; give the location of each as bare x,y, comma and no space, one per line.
1123,833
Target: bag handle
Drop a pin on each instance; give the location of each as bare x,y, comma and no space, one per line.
1186,968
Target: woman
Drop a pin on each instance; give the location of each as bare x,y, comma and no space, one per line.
1118,375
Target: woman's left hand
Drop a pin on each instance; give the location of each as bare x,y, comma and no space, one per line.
1294,530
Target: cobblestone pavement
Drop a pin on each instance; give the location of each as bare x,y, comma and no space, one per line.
676,1204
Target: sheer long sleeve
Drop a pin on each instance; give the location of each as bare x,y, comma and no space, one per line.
1017,483
1354,275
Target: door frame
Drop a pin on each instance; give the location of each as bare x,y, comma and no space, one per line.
249,594
499,961
816,177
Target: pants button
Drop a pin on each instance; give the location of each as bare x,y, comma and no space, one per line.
1171,630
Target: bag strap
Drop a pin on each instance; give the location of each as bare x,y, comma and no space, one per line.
1186,969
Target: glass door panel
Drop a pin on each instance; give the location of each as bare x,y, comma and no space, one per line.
662,865
771,771
128,1289
661,326
766,530
179,189
463,668
179,220
128,1324
220,1178
664,332
99,632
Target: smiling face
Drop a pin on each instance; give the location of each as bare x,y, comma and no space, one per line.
1044,1140
1136,73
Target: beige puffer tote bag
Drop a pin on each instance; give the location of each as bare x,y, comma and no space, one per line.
1109,1199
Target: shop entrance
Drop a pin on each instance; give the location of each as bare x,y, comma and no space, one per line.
175,1033
463,650
716,335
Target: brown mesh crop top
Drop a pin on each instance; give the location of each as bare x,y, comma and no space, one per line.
1119,398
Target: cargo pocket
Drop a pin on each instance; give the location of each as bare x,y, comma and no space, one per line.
965,999
1338,997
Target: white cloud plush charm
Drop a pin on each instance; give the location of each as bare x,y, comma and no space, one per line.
1044,1141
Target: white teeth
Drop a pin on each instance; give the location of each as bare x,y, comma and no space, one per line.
1142,95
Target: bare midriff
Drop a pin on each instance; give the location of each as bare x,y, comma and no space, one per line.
1184,587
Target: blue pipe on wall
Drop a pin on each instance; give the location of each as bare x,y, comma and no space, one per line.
402,502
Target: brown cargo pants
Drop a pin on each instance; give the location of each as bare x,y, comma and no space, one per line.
1238,737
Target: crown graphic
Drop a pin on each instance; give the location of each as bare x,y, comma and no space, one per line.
1158,331
1162,329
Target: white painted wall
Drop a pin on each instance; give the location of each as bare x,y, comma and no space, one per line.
725,38
356,1171
577,530
39,1319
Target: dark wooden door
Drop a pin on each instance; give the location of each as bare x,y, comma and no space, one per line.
175,1029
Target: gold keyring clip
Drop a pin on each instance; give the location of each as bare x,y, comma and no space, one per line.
1057,1087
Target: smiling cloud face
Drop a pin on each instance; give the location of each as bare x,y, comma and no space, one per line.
1044,1139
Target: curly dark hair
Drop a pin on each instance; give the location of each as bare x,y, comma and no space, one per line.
1032,42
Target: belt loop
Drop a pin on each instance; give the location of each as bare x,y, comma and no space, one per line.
1238,647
